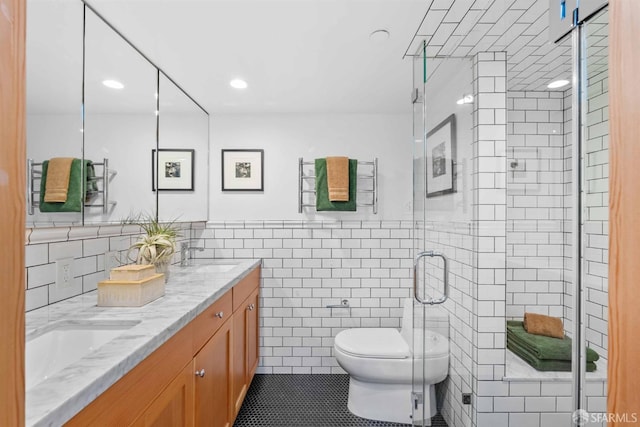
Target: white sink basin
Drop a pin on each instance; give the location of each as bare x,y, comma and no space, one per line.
216,268
63,343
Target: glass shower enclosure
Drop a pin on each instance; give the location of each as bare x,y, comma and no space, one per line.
510,216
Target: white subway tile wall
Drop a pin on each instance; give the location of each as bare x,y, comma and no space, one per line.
308,265
486,304
596,252
87,247
539,211
535,203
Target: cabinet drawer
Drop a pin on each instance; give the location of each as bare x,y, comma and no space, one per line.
245,287
210,320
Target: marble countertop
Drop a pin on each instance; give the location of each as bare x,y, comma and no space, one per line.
188,293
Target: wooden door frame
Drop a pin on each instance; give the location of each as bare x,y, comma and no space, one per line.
624,209
624,226
12,200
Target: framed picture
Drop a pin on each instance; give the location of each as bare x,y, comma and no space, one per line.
175,169
441,155
242,170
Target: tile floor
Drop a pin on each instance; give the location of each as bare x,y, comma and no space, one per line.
303,401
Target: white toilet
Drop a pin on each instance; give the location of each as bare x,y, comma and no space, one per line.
378,361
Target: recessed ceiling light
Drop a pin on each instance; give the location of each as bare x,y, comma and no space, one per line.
379,36
558,84
238,84
467,99
113,84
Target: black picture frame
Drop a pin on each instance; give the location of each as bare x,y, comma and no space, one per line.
242,169
176,167
440,171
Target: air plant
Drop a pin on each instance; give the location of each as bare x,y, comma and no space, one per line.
158,243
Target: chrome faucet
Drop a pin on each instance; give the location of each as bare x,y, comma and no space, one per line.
186,251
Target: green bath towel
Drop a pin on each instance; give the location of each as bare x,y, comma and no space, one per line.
544,364
75,196
322,191
541,347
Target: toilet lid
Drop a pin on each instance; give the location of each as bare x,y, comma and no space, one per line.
383,343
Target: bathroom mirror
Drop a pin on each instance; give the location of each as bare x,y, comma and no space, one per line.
121,96
182,181
128,109
54,94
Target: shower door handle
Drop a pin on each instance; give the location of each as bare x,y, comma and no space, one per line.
431,301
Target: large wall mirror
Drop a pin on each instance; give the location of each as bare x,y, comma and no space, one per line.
183,142
121,90
142,142
54,93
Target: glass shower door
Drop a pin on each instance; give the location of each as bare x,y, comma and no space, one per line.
442,240
419,212
595,214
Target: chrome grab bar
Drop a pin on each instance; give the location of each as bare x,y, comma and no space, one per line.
431,301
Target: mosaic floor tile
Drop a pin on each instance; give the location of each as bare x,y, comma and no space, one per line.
304,401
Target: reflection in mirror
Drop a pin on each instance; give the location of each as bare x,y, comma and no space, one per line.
54,95
120,121
182,161
449,106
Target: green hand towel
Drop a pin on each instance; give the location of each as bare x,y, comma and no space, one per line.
544,364
543,347
322,191
92,183
75,196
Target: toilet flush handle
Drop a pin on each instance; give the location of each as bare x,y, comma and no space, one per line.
431,301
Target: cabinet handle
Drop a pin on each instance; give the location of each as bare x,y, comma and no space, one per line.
220,314
200,373
251,307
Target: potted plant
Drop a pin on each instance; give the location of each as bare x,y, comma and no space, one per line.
156,246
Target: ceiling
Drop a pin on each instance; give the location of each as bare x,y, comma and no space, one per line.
518,27
316,55
296,55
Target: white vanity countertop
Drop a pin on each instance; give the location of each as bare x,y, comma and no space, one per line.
188,293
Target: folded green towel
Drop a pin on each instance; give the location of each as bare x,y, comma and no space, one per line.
543,347
92,183
75,196
322,190
544,364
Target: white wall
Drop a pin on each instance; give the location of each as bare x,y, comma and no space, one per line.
286,137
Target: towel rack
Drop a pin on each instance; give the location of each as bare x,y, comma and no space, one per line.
369,190
34,173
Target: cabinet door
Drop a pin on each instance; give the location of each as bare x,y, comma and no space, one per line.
174,406
245,347
253,340
213,380
239,377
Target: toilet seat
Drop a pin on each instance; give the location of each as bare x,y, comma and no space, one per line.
377,343
388,343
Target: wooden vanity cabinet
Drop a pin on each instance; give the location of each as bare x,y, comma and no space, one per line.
213,405
173,406
245,347
198,378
